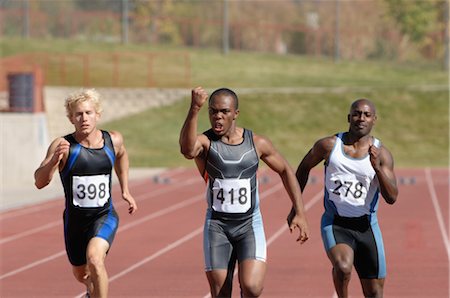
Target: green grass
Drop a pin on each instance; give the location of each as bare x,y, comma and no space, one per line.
407,125
269,70
414,125
210,68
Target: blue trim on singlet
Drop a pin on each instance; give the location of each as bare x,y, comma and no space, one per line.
66,223
110,154
72,159
326,222
329,206
380,246
260,237
108,226
375,201
257,201
341,138
206,240
327,231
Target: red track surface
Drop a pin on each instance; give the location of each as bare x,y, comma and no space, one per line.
158,251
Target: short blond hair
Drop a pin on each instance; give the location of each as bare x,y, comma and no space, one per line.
82,96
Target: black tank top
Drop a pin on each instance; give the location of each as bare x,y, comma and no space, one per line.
232,185
86,177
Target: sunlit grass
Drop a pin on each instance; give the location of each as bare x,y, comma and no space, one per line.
406,126
413,124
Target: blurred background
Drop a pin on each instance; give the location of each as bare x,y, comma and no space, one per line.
350,30
296,65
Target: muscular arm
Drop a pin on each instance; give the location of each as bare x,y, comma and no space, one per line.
56,156
320,151
383,164
121,167
277,163
191,144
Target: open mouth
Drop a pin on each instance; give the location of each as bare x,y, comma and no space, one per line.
218,127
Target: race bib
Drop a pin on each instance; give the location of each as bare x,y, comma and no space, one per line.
90,191
348,188
231,195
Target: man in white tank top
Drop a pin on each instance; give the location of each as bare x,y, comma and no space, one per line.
357,169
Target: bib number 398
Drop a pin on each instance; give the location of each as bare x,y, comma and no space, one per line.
90,191
231,195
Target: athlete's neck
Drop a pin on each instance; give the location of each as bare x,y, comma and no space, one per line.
92,140
234,136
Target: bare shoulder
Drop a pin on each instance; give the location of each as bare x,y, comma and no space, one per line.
323,147
259,139
326,143
116,138
203,139
115,135
263,144
56,142
203,147
386,156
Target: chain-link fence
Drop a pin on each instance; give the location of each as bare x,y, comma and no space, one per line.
343,29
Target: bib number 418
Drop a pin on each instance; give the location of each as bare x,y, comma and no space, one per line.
241,196
231,195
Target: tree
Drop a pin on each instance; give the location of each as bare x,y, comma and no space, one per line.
156,18
416,18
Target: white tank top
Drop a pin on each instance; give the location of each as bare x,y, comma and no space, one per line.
351,185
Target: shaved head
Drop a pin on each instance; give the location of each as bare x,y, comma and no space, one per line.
225,92
363,101
362,117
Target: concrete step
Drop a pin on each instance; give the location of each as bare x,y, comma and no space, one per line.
117,103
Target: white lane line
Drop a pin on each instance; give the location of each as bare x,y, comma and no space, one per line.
283,228
162,212
440,219
125,227
159,253
31,231
27,210
34,264
438,211
173,244
139,199
56,203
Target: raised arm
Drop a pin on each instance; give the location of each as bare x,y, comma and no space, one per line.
56,156
190,143
383,164
277,163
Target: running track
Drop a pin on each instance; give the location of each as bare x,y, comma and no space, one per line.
158,251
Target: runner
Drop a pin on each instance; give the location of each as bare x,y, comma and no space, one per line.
227,156
357,168
85,159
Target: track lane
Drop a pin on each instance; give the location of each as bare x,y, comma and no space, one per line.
416,254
